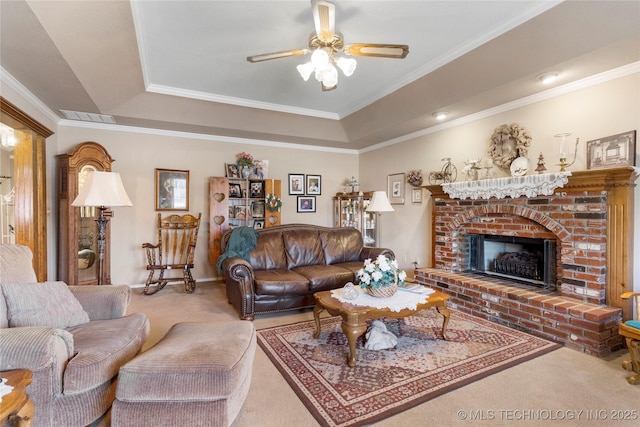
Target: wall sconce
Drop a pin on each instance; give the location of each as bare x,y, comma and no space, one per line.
564,147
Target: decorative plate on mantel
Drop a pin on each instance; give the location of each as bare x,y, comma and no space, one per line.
520,166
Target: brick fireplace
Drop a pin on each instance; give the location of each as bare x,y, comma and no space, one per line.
590,221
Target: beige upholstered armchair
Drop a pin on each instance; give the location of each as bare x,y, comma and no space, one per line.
73,339
631,331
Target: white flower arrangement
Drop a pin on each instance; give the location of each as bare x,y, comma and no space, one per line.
380,273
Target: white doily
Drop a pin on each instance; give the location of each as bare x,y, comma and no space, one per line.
4,388
398,302
514,186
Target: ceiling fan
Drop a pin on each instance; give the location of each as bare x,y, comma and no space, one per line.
325,43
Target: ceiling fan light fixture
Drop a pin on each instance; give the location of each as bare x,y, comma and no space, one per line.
347,65
305,70
320,58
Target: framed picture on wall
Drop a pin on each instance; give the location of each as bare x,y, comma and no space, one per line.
395,188
306,204
313,184
416,195
296,183
172,190
611,151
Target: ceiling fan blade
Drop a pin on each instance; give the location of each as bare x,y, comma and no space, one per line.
398,51
324,17
277,55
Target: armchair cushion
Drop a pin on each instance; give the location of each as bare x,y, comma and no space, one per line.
633,323
42,304
103,302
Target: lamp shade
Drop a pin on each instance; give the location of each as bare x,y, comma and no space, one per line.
379,202
102,189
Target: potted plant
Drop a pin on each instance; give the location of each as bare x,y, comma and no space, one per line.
381,277
245,161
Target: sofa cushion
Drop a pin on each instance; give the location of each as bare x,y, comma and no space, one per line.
42,304
303,247
280,282
16,264
102,346
325,277
341,245
269,254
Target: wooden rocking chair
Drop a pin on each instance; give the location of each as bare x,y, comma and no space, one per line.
177,236
631,331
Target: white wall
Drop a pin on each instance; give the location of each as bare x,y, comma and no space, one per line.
138,154
605,109
601,110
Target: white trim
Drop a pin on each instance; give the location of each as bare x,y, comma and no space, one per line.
202,136
14,84
606,76
205,96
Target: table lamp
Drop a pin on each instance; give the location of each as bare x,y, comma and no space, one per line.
379,203
102,190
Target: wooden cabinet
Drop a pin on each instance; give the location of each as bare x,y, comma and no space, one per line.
77,229
350,211
235,202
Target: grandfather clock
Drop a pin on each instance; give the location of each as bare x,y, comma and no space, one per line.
77,228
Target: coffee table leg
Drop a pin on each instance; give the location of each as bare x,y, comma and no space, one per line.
444,310
352,329
316,316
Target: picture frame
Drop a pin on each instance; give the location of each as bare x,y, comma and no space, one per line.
256,189
396,188
172,189
313,184
257,209
232,170
258,224
416,195
296,184
240,211
235,191
306,204
611,151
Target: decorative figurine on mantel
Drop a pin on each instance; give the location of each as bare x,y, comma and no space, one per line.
541,168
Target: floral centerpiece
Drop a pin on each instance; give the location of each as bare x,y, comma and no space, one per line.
245,159
414,177
381,277
471,168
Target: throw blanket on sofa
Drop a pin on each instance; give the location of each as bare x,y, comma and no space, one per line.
241,242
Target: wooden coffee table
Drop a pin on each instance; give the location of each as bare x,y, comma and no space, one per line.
16,408
354,317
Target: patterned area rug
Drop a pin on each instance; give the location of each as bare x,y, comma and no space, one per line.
386,382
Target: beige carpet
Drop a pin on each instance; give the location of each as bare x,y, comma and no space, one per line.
563,387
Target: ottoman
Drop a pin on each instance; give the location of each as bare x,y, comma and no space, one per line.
197,375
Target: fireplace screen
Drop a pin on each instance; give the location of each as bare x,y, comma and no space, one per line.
526,260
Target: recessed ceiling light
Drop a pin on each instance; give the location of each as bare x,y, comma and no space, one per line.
549,77
440,115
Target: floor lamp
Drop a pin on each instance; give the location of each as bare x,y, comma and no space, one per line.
379,203
102,190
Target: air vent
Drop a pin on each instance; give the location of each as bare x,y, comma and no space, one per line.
88,117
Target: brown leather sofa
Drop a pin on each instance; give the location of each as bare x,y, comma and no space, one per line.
290,263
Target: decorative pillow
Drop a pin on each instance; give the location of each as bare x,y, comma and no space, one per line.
42,304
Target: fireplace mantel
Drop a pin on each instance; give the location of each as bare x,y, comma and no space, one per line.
512,186
618,186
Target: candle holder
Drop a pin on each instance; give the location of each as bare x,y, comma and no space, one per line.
562,137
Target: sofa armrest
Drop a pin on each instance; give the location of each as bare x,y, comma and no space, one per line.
369,252
239,281
35,348
103,302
